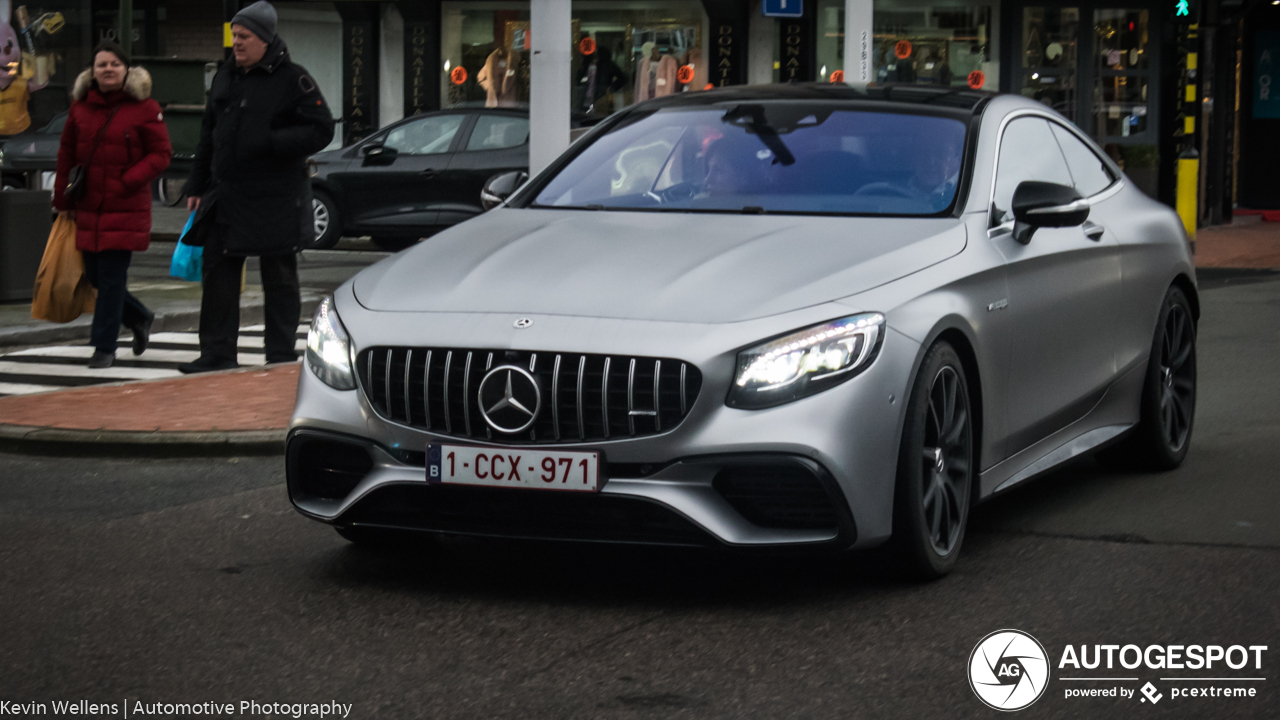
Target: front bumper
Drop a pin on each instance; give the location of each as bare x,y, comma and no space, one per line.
676,487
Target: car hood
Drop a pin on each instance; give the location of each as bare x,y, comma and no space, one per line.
676,267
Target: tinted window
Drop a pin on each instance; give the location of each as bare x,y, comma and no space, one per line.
426,136
793,157
494,132
1027,152
1087,169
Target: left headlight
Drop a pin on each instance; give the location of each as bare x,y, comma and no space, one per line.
805,362
329,349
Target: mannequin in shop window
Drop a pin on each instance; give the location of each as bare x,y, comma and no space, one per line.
655,73
600,77
498,78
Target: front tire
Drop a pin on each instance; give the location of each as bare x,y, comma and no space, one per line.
935,468
1163,435
326,220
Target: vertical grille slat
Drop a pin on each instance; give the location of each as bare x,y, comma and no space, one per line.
631,398
555,397
466,395
426,392
408,410
448,362
582,373
657,396
604,398
587,406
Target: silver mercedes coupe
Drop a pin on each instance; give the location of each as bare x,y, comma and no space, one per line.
764,317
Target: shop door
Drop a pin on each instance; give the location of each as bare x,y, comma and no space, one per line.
1097,64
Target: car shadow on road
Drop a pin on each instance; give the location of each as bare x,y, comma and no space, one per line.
564,573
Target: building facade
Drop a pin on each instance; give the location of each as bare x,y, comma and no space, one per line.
1153,81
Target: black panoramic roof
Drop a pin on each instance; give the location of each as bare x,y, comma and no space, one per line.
962,99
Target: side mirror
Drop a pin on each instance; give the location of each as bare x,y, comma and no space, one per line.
1042,204
378,155
500,187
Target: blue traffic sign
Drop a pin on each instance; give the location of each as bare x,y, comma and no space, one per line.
783,8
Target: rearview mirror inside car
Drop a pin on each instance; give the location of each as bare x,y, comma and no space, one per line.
1042,204
500,187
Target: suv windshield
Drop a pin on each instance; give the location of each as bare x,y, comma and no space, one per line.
767,157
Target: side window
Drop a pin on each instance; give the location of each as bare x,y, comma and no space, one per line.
426,136
1088,170
1027,152
495,132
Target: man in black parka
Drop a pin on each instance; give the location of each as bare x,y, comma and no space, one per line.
250,188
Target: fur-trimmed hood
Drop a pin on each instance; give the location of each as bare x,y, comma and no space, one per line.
137,83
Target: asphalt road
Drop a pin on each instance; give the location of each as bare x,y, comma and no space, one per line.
192,581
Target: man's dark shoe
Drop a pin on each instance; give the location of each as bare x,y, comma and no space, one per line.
102,360
274,359
142,335
207,364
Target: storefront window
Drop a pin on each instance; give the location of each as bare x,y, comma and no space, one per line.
41,65
623,52
952,44
830,39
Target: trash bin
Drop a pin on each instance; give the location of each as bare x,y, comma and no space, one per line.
25,221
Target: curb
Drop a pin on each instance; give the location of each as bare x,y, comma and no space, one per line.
30,440
175,321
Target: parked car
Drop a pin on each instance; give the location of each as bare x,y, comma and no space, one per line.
789,316
31,152
37,152
416,176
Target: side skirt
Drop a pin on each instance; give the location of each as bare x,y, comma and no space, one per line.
1115,414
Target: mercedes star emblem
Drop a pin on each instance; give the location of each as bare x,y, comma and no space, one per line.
522,323
509,399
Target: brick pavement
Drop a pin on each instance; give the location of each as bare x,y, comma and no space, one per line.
1248,243
259,399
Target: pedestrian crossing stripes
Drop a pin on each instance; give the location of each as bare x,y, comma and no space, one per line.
58,367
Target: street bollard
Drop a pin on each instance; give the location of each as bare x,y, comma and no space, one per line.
1188,186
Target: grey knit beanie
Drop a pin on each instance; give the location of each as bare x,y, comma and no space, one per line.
260,19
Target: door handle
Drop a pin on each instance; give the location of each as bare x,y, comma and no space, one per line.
428,173
1093,231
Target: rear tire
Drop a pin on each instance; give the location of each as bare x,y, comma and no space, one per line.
935,468
327,221
1163,435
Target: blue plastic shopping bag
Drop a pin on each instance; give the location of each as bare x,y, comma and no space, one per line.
187,260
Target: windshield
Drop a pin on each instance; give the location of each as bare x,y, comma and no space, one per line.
767,157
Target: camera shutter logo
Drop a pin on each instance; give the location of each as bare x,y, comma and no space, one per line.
1008,670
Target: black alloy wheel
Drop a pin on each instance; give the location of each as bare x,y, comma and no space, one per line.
1163,435
935,467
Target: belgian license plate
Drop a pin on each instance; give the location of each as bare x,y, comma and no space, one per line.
513,468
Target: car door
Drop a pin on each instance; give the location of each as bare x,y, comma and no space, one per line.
1064,292
394,183
497,143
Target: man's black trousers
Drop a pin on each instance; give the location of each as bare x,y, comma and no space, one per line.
220,305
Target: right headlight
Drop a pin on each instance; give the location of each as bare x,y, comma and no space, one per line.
329,349
805,362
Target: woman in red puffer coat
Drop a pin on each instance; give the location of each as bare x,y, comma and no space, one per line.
112,109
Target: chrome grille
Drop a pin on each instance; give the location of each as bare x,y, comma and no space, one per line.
585,397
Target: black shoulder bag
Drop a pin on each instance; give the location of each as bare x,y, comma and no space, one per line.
77,177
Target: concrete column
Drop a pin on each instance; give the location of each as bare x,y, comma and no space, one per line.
859,42
391,66
549,83
760,47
